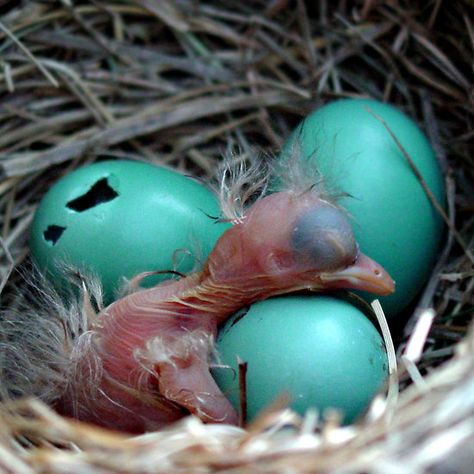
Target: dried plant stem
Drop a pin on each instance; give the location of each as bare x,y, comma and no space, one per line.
30,55
439,208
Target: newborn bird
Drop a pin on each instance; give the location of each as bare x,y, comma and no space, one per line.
143,361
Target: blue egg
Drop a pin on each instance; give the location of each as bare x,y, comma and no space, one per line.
322,351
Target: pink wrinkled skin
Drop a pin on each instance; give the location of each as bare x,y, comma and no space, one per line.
154,346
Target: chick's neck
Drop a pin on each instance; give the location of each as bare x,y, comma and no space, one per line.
234,276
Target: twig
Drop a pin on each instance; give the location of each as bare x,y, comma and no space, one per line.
30,55
126,129
11,264
426,298
100,40
425,187
242,391
7,73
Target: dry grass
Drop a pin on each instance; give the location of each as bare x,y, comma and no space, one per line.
177,83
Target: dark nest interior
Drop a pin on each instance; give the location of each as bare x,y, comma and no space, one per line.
177,83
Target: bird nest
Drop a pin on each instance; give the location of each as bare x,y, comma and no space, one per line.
177,83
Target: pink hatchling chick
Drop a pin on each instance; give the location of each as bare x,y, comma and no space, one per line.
143,361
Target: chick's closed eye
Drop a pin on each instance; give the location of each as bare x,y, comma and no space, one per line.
323,236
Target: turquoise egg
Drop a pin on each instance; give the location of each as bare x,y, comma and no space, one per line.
322,351
394,221
116,219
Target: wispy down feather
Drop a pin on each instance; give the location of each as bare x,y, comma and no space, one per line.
244,178
42,336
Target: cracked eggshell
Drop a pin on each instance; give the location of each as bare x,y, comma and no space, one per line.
116,219
322,351
393,219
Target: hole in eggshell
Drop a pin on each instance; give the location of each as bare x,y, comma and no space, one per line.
99,193
53,233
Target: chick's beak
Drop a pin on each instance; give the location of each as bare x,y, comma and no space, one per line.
364,274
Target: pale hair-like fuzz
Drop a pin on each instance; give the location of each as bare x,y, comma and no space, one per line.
159,350
297,172
244,178
43,335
